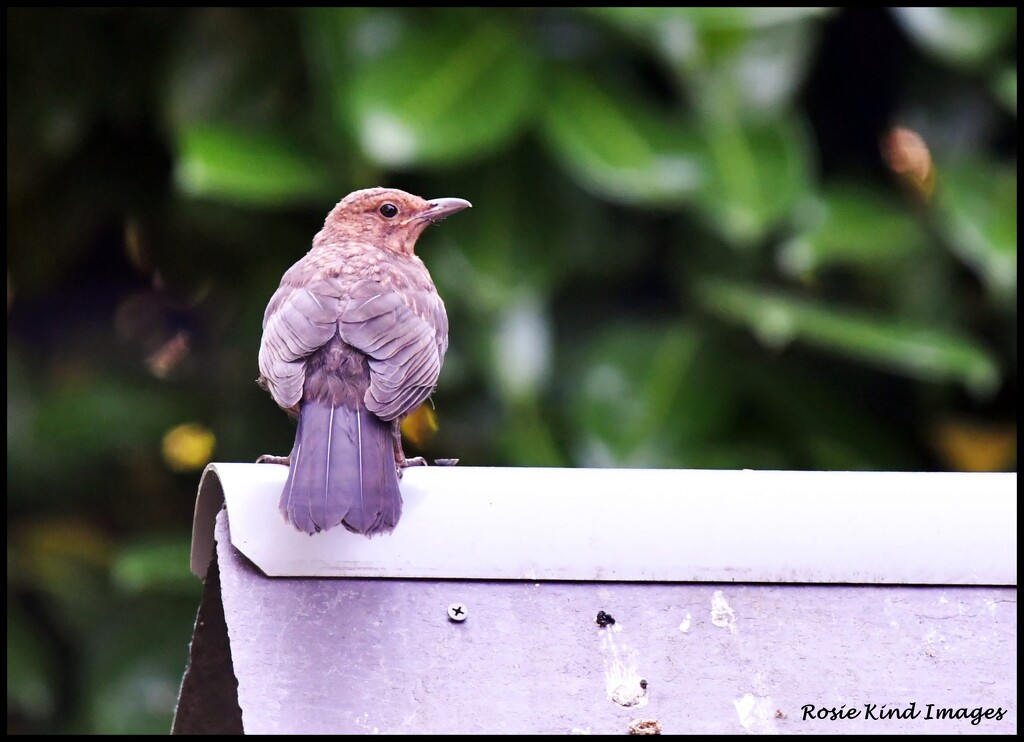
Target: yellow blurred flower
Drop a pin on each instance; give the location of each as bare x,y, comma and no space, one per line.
421,425
188,447
973,446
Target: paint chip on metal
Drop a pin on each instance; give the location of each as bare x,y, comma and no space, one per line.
645,726
722,614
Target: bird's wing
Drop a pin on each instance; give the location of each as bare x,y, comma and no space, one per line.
299,320
404,334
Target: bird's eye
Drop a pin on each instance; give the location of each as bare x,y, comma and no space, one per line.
388,210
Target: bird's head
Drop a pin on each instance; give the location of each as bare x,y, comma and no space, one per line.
387,217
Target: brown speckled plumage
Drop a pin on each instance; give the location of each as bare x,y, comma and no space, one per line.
353,341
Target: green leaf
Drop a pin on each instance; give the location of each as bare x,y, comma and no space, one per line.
256,169
443,97
339,44
521,352
133,663
217,68
647,395
156,564
103,417
684,23
515,239
1005,87
758,174
336,38
526,438
851,224
29,684
757,78
831,431
962,36
977,206
755,58
616,147
915,351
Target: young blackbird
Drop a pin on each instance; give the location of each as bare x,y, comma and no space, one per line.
353,341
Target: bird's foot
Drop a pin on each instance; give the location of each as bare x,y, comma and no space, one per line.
271,459
420,461
404,463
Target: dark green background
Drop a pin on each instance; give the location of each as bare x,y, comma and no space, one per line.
686,250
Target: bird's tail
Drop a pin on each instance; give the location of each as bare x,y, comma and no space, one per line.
342,471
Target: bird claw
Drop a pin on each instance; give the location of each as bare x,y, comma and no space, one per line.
268,458
420,461
404,463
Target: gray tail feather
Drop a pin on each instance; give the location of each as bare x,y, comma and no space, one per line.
342,472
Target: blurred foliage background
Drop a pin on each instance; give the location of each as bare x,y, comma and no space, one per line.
745,238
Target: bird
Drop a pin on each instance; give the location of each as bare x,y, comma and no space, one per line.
353,341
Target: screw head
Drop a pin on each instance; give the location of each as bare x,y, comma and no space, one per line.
604,619
457,612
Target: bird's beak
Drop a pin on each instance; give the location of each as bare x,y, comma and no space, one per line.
439,208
